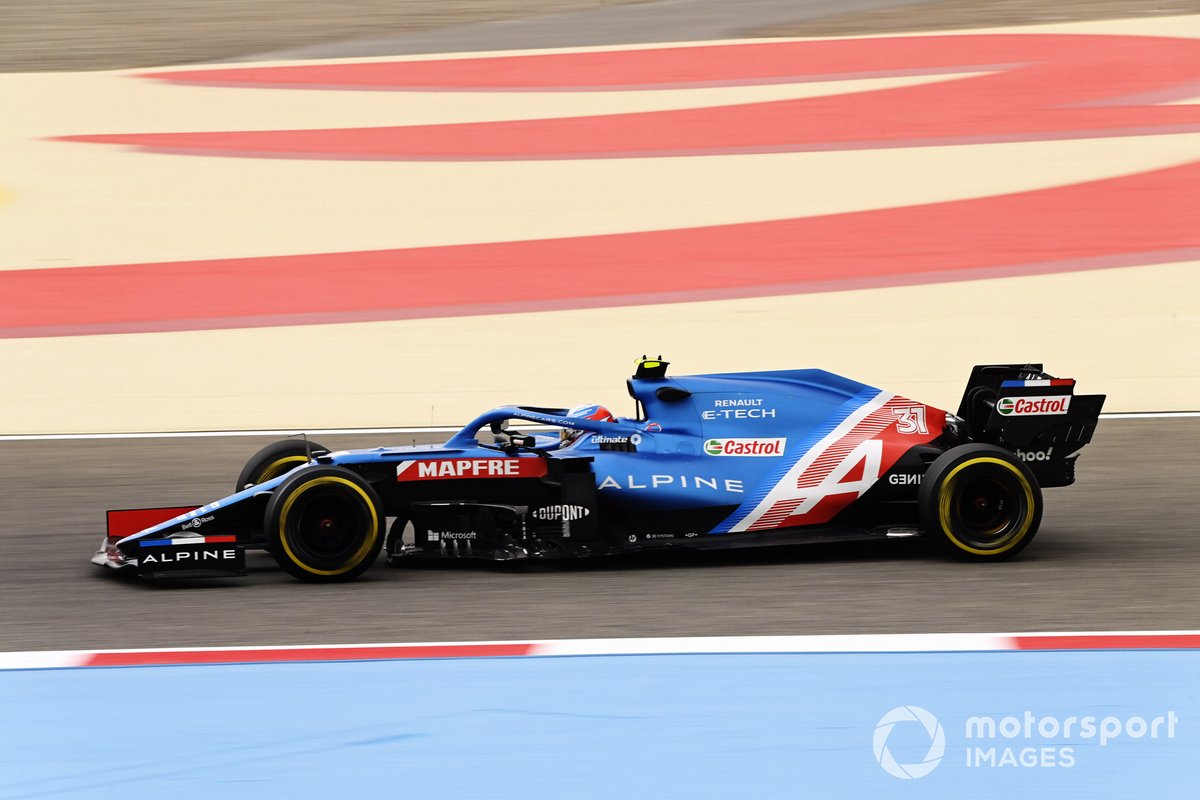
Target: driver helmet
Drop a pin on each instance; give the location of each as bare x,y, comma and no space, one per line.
584,411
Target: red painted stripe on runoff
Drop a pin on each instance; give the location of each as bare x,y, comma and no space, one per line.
1101,641
1072,227
704,65
1053,87
356,653
725,64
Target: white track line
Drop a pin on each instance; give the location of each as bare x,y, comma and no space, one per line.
51,437
1152,415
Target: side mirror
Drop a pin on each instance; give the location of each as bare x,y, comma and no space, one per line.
499,426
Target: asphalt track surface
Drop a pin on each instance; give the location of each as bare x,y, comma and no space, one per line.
1117,551
637,23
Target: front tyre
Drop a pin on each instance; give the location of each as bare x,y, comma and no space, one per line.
324,524
980,502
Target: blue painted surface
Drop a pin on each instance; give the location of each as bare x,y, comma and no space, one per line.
695,726
790,404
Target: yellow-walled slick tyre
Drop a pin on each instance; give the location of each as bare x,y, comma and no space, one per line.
274,460
324,524
980,502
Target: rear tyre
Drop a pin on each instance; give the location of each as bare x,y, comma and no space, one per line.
980,502
274,460
324,524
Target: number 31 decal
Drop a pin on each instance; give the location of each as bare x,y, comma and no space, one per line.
910,419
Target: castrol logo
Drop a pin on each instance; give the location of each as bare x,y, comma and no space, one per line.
1033,406
745,447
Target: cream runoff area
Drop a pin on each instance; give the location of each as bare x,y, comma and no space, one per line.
1133,333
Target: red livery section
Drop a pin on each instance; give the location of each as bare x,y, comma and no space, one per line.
842,469
442,469
127,522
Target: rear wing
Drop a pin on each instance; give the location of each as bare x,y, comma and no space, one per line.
1039,417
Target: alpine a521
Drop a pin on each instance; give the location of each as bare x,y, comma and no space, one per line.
706,461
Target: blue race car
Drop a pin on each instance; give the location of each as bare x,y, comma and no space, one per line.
707,461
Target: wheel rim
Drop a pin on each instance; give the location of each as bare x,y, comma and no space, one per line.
986,506
327,529
329,526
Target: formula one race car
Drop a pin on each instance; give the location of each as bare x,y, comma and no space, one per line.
708,461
